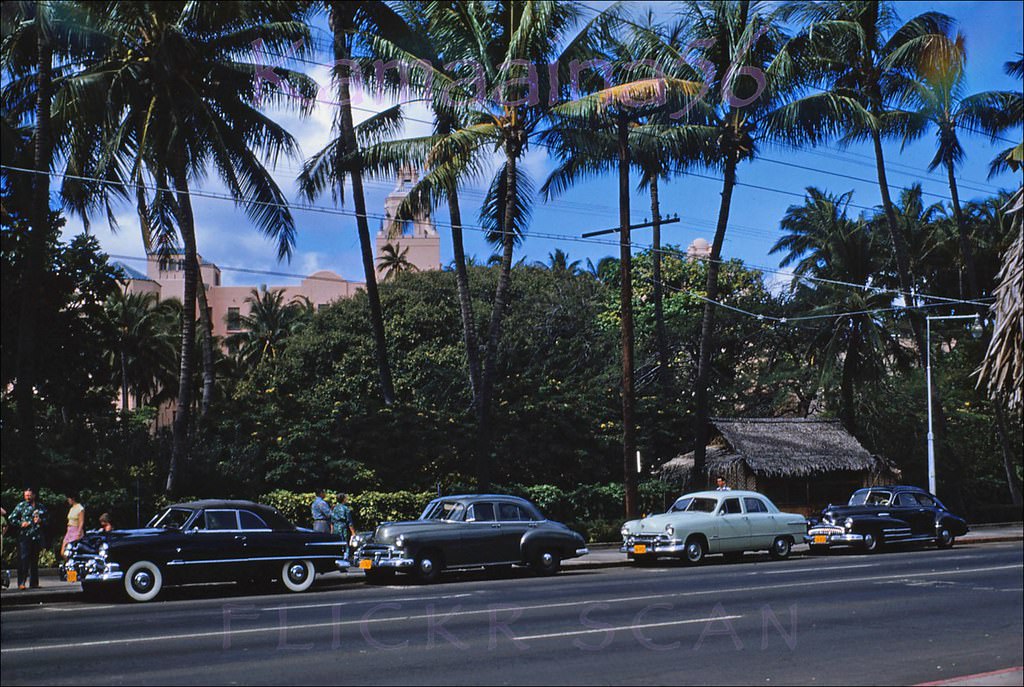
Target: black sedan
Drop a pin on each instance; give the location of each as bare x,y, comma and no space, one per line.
468,531
203,541
884,515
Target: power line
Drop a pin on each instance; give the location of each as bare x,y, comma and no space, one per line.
485,230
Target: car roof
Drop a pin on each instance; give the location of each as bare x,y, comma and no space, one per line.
270,515
896,487
464,497
714,493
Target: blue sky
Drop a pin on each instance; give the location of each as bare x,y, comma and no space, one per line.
993,33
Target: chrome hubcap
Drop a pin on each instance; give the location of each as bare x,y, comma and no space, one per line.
781,546
547,559
693,551
944,536
426,566
142,581
297,572
869,541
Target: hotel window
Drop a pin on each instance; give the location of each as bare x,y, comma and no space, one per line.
234,320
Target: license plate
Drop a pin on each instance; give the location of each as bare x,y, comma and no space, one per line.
640,548
72,575
820,539
365,564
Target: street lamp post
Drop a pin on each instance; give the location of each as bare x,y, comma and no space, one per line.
928,358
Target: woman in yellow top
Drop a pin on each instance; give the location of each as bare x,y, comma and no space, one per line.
76,523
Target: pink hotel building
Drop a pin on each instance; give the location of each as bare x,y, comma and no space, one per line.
166,277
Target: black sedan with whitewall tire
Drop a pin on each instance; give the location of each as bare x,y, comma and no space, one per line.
877,516
467,531
200,542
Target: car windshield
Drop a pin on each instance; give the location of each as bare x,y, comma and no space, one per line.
871,497
692,504
443,510
171,519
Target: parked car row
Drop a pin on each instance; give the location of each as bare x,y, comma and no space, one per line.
245,542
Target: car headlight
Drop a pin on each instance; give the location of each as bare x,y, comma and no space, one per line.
848,524
102,552
624,532
399,541
828,520
670,530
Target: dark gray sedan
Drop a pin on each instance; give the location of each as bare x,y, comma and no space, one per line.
468,531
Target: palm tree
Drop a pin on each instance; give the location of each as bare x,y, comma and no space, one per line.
736,39
43,42
820,241
357,25
940,101
559,262
1012,158
172,95
870,64
393,261
146,349
492,38
268,324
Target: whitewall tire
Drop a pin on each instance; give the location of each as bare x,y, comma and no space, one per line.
298,575
143,581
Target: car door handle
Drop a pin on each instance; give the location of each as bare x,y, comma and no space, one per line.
241,537
496,526
533,525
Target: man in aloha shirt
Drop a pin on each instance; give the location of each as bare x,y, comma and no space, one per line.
341,519
29,519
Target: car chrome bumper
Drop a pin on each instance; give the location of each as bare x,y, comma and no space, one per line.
833,538
92,569
663,547
372,558
582,552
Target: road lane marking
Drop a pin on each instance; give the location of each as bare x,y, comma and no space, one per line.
366,601
626,599
574,633
802,570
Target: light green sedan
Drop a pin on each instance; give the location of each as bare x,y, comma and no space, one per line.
708,522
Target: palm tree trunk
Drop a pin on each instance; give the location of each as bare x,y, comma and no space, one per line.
899,249
846,412
180,428
707,328
660,338
36,248
205,343
465,299
348,133
508,241
966,254
626,314
124,381
1003,435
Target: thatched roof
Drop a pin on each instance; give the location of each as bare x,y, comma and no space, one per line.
780,447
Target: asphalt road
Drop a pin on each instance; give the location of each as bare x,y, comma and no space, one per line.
895,618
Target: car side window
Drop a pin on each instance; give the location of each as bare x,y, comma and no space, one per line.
510,512
755,505
906,499
250,521
731,507
221,520
481,512
926,501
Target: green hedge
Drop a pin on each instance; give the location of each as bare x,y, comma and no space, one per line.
369,507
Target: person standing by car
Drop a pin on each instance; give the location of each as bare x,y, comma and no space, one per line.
321,512
341,519
3,533
29,517
76,523
721,485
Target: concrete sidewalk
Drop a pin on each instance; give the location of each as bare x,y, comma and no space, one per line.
602,555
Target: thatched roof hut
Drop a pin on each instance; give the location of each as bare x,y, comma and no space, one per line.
796,461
